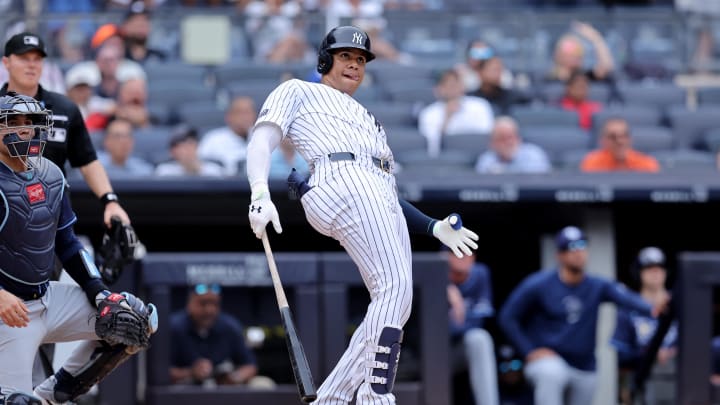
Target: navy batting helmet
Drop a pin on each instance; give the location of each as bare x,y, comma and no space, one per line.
647,257
342,37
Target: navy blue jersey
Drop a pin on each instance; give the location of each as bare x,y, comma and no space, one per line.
543,311
477,292
633,332
224,341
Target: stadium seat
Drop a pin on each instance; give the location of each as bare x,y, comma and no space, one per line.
201,115
172,92
690,125
646,138
177,71
556,140
446,159
476,143
685,160
404,138
712,140
658,95
152,143
228,73
570,160
634,114
529,116
393,114
553,92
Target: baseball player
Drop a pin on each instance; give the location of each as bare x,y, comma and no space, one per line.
37,226
351,197
69,141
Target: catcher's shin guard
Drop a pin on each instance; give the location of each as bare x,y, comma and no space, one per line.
64,386
385,361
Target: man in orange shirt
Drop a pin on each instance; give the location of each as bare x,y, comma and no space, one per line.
616,152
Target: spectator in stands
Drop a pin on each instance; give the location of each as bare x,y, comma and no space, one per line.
576,99
616,152
185,161
228,144
453,113
701,15
489,69
132,103
135,30
633,331
117,154
80,82
551,318
509,154
208,345
113,66
570,54
477,52
273,27
284,158
470,297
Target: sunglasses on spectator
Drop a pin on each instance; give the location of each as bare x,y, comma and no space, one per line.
202,289
512,365
617,135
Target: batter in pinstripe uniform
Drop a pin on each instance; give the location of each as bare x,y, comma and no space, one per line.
352,197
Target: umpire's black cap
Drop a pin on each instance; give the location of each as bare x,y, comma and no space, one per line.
24,42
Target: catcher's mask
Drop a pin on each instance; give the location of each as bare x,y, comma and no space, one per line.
342,37
24,125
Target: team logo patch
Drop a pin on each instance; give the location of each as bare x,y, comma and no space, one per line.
263,113
31,40
57,135
35,193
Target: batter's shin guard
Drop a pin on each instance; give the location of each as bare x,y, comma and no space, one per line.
385,363
18,398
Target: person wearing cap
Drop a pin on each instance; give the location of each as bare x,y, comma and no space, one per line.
185,161
69,140
634,330
135,30
551,319
208,345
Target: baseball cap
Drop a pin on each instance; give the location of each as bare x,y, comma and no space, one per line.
24,42
570,238
82,73
182,133
651,256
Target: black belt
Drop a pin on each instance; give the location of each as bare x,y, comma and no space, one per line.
382,164
32,293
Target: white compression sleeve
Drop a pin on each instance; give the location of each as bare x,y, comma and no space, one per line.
264,139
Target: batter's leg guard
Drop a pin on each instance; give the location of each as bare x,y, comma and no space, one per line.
63,386
17,398
385,362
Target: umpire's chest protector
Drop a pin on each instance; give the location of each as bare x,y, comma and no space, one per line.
29,212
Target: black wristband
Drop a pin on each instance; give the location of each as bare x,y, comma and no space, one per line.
107,198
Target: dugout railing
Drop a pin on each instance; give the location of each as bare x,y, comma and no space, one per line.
317,286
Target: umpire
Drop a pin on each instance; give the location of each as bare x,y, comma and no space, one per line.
69,140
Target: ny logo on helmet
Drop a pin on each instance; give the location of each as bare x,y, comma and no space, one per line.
357,38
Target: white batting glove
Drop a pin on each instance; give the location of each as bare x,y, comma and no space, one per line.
262,211
455,236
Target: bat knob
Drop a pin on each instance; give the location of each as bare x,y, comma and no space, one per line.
455,221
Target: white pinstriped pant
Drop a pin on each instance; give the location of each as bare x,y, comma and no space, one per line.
356,203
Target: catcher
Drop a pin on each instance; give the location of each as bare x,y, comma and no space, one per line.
37,224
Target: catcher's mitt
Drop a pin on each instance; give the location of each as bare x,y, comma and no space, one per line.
120,247
118,323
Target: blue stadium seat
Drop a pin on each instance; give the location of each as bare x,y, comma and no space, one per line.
659,95
528,116
647,138
712,140
152,143
685,160
476,143
393,114
403,138
177,71
556,140
201,115
634,114
690,125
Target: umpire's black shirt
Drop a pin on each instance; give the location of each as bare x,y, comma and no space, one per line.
69,139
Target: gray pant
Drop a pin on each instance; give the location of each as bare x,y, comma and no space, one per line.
556,382
64,314
482,367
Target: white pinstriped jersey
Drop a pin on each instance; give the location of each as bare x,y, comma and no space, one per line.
321,120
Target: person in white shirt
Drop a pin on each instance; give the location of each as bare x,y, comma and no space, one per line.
228,144
453,113
509,154
185,160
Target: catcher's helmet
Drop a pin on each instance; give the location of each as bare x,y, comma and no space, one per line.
24,125
648,257
345,36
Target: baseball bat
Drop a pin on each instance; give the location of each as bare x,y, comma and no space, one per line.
298,360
